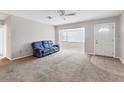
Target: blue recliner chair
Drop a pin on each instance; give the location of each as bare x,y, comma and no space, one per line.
44,48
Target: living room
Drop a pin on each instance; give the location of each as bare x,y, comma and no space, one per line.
61,45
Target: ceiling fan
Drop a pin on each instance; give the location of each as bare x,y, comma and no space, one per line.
63,14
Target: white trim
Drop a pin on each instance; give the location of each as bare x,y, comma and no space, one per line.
122,61
9,58
89,53
19,57
117,57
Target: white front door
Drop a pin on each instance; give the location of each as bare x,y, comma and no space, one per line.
104,40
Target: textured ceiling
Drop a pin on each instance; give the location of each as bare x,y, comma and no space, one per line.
81,15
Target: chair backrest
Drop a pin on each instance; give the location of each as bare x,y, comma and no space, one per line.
37,45
42,44
45,44
50,43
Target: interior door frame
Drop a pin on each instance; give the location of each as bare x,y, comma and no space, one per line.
113,36
4,46
60,38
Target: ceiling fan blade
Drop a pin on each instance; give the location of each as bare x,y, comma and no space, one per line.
71,14
61,12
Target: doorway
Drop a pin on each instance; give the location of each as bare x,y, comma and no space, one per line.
72,39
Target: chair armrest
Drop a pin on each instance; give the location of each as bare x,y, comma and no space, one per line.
55,45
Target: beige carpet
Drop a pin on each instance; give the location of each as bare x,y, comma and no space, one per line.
64,66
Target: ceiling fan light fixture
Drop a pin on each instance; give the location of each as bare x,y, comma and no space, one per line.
61,12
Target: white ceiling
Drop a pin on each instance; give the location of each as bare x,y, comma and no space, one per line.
41,15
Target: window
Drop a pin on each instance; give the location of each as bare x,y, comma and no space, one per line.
73,35
104,29
64,36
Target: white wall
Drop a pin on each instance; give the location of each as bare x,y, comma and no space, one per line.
8,37
89,32
24,32
1,22
122,38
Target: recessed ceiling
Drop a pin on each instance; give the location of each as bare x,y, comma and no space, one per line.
52,17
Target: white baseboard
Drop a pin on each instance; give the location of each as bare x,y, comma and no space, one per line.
89,53
20,57
122,61
117,57
9,58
